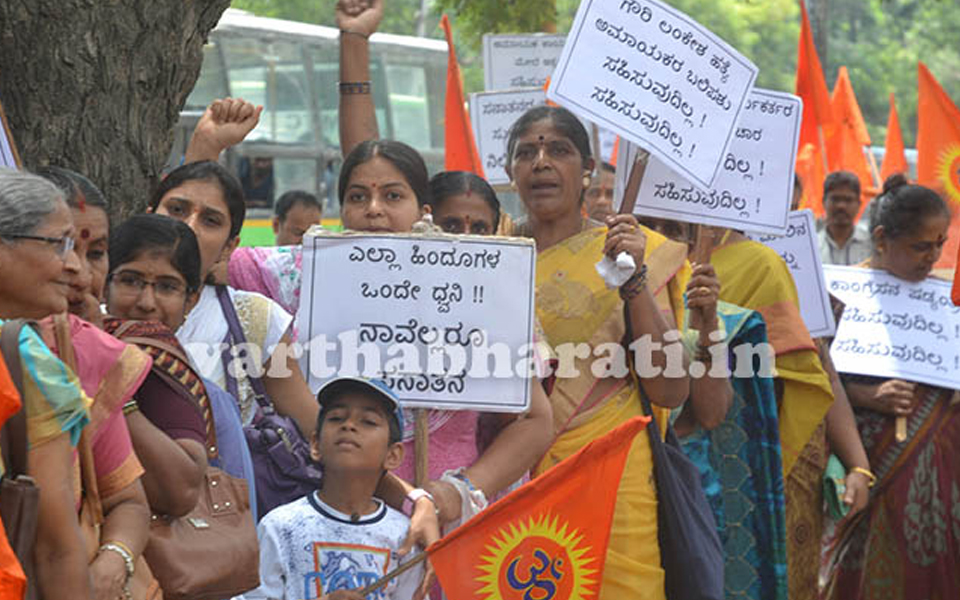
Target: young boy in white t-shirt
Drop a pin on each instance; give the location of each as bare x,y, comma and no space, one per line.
341,537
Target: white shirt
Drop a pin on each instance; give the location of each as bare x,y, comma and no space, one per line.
308,549
857,249
202,334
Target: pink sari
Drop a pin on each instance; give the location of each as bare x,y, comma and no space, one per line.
110,371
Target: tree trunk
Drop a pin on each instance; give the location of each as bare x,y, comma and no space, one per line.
97,85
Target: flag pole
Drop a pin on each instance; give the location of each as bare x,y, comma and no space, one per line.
376,585
421,448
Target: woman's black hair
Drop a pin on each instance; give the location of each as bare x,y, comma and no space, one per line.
563,120
207,171
903,207
406,160
452,183
146,233
78,191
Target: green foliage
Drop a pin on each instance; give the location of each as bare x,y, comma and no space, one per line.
879,41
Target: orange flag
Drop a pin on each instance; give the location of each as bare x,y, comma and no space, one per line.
894,158
616,151
461,152
846,146
817,125
547,539
938,154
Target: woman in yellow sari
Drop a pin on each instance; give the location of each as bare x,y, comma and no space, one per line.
550,165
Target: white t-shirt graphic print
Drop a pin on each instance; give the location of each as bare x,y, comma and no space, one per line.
308,549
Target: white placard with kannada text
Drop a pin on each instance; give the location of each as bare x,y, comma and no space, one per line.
654,75
894,328
519,60
405,296
800,250
493,113
755,184
8,156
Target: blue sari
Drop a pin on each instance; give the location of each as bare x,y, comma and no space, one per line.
741,473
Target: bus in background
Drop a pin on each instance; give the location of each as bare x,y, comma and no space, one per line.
292,69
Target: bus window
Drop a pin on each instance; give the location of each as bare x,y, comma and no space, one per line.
212,83
409,112
271,73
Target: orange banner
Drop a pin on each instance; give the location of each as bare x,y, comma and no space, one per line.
461,152
817,125
894,156
547,539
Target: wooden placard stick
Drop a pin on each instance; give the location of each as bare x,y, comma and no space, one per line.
376,585
633,183
597,154
901,429
421,447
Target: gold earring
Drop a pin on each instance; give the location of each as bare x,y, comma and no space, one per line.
586,181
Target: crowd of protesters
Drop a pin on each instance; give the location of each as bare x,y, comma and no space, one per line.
127,416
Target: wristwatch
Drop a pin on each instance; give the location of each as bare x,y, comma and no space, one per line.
411,500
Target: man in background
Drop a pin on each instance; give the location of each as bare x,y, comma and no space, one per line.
842,240
295,212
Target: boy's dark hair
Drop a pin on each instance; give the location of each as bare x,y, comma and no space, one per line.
349,387
292,198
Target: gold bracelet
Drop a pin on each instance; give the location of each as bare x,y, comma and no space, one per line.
866,473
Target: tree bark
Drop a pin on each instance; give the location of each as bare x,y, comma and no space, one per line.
97,85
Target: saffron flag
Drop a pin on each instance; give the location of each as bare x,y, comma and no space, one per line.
850,138
816,128
547,539
938,154
894,157
460,146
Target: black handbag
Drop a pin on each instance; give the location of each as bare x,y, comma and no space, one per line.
690,551
19,494
281,459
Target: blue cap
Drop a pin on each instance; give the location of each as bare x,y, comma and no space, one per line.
377,386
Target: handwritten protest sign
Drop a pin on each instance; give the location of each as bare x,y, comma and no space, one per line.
446,321
519,61
895,328
8,151
493,113
654,75
755,184
799,249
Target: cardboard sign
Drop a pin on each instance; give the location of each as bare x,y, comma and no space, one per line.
446,321
755,184
799,249
493,113
8,150
520,61
655,76
895,328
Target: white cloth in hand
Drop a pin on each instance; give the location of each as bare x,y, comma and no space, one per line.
616,272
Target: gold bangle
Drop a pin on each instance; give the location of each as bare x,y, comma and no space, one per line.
866,473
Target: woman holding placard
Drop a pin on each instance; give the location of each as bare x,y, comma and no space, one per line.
550,165
906,543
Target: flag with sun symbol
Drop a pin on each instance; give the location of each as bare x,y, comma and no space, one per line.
938,154
548,539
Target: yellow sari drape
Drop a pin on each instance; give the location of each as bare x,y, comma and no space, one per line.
575,306
753,276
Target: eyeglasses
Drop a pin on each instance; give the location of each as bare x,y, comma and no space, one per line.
63,245
128,282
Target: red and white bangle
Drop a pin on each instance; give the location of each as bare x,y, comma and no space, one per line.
411,500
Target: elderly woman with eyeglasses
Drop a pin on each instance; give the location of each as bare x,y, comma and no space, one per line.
40,266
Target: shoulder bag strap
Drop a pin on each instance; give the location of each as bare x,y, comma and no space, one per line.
88,471
14,433
236,336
